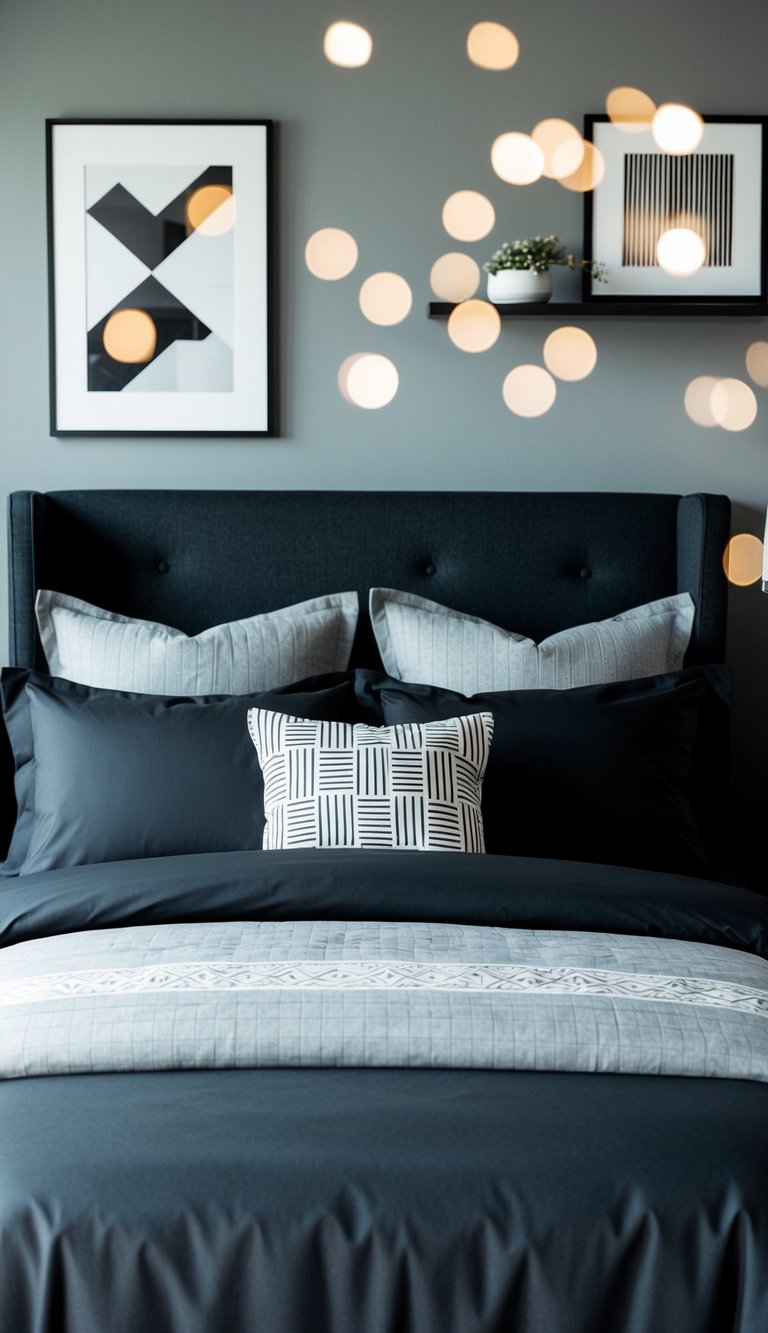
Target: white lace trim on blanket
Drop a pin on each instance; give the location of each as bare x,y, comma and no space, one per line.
510,978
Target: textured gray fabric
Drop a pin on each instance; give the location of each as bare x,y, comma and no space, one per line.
380,993
423,641
92,646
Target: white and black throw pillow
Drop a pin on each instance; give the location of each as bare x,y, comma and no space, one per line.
334,784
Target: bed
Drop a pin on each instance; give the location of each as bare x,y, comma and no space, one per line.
514,1083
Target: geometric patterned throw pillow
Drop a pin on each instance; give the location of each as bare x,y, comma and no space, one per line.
333,784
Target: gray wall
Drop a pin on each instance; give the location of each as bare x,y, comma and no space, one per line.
377,151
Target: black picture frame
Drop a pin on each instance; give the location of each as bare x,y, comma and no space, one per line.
724,182
161,277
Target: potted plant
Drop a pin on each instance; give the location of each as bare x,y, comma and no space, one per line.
519,270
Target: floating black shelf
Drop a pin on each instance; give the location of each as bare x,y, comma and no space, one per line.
599,309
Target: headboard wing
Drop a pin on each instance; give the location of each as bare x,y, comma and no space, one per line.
535,562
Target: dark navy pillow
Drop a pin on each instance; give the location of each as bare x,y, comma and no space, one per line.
632,773
105,775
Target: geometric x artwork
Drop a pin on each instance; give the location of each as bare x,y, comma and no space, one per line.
160,277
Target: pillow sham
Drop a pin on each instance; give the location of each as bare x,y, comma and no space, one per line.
420,640
106,775
630,773
92,646
327,784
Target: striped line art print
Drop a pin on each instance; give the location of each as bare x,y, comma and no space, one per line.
662,192
332,784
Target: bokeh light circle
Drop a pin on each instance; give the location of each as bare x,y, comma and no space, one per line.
368,380
589,175
492,46
698,400
570,353
743,559
529,391
130,336
385,298
562,146
474,326
454,276
630,109
734,405
681,251
757,363
211,210
348,45
468,215
331,253
677,129
516,159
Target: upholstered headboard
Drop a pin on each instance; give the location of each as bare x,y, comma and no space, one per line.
535,562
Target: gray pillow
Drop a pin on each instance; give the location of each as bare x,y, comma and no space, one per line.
87,644
107,776
425,642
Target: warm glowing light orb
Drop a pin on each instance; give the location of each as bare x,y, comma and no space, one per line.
529,391
681,251
211,210
385,298
743,559
757,363
468,215
368,380
677,129
474,326
630,109
698,400
734,405
348,45
589,175
516,158
492,46
130,336
570,353
331,253
454,277
562,146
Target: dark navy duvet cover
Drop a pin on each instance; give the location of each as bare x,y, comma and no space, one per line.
366,1092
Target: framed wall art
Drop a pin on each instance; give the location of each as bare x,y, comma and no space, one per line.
160,277
718,191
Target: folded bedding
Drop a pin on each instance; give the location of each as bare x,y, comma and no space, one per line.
363,957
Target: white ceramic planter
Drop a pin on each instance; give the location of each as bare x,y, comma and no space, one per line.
518,284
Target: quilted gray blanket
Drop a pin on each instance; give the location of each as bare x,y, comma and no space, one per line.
238,993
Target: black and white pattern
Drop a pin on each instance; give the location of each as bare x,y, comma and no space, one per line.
661,191
331,784
144,253
387,974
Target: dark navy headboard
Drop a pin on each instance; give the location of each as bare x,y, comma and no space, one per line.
531,561
534,562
